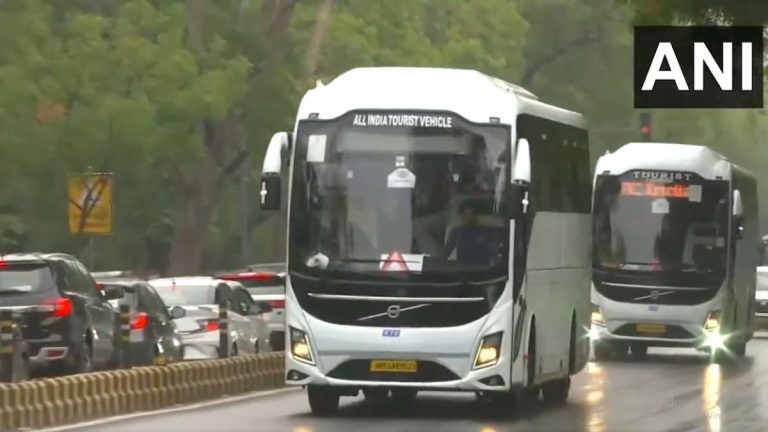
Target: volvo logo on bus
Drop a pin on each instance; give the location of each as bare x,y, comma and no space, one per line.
393,311
655,295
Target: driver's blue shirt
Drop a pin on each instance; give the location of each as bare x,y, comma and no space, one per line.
473,245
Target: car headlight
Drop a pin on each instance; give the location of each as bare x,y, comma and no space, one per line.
597,315
712,322
489,351
300,349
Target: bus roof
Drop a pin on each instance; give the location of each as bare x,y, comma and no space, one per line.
666,156
468,93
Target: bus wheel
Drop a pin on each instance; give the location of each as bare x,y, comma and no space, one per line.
403,397
556,392
639,351
602,350
375,396
738,348
323,400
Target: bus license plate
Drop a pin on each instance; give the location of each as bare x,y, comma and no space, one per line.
651,328
403,366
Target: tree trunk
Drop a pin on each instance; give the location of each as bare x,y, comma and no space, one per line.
322,22
192,227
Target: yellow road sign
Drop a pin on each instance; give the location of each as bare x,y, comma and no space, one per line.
90,203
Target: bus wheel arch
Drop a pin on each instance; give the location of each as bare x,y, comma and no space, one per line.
531,362
572,346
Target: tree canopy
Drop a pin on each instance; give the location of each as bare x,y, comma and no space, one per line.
178,99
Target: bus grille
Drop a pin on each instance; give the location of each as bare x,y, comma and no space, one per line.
396,304
426,372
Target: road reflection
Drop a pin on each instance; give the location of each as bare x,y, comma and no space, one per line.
711,386
595,399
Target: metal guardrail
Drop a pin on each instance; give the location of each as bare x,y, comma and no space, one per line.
76,398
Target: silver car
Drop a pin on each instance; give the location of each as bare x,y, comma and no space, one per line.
266,284
199,327
761,297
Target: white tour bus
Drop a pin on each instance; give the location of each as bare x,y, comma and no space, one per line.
675,248
421,255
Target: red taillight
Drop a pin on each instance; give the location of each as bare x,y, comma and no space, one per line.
3,264
276,304
141,321
100,286
212,325
249,276
62,306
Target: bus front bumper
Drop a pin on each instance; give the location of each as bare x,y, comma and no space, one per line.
489,379
702,340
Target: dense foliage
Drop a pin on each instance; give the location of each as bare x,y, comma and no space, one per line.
179,98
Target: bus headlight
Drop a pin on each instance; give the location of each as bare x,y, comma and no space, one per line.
712,324
300,349
489,351
597,315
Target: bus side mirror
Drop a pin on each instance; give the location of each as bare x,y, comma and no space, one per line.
270,178
270,191
515,201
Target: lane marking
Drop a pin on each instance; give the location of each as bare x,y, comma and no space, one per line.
174,409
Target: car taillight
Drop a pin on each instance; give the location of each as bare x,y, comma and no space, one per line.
212,325
3,264
276,304
62,306
141,321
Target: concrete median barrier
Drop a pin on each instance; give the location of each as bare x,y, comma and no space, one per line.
64,400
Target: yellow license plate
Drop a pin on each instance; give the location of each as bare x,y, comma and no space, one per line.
651,328
403,366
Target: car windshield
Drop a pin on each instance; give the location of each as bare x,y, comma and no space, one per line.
399,192
647,225
182,295
25,279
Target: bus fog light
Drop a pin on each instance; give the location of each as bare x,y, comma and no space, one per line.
597,315
712,322
300,349
715,340
488,352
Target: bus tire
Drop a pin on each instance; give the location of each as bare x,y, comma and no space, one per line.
375,396
556,392
602,351
738,348
323,400
403,397
639,351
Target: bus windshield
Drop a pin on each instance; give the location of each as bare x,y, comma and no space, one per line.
673,226
398,194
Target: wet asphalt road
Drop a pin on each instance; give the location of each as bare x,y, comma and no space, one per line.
672,390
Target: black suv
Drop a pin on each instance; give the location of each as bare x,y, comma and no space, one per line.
66,321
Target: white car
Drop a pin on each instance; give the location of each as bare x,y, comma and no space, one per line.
199,327
761,296
266,285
